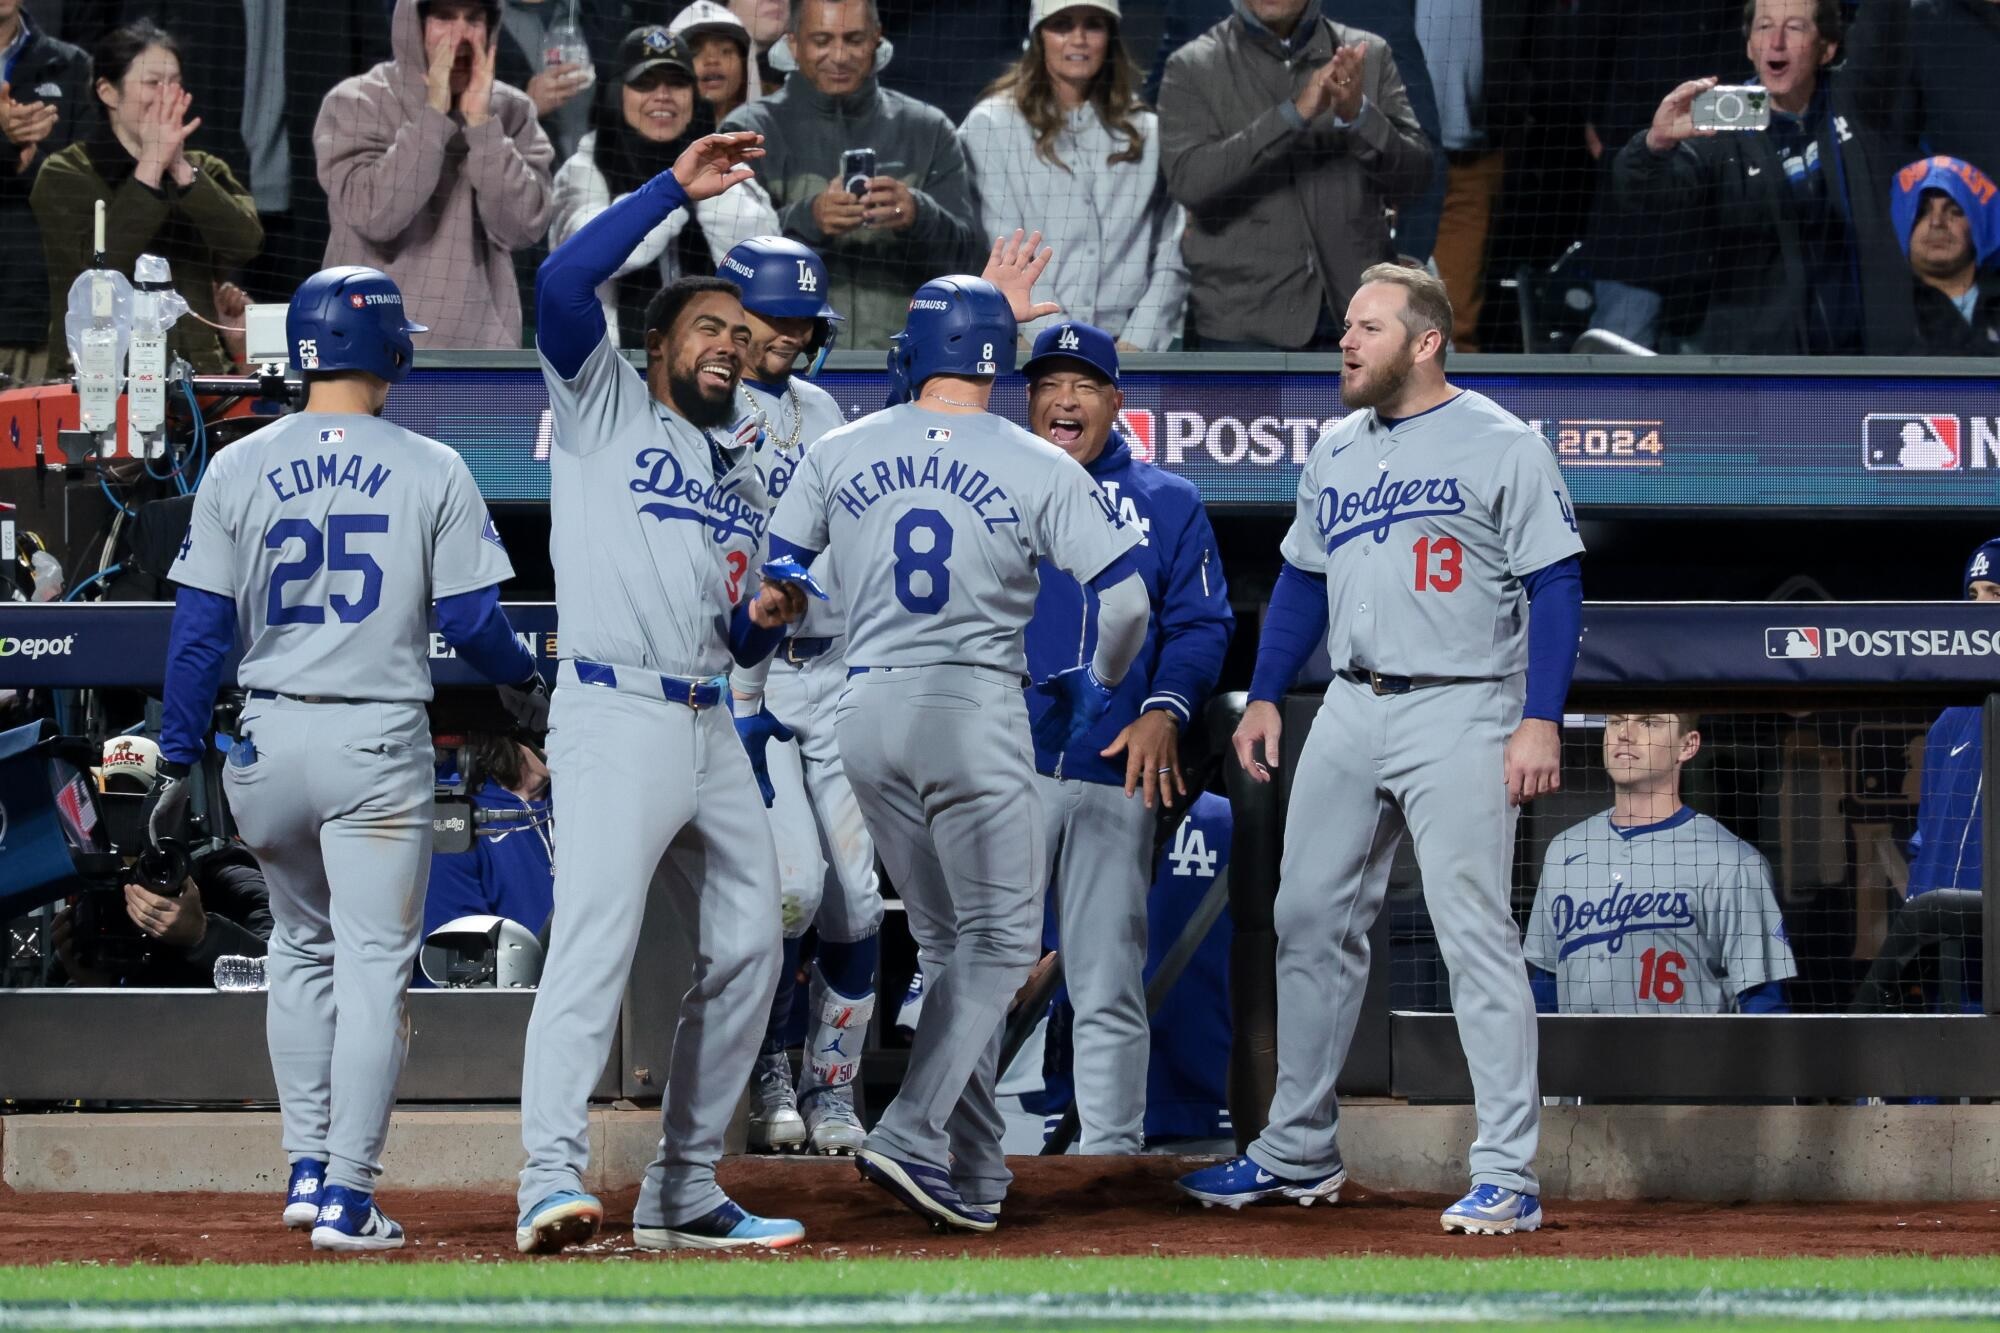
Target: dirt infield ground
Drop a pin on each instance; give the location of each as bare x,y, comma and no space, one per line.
1067,1206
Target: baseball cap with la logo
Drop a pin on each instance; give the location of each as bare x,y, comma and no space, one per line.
1075,342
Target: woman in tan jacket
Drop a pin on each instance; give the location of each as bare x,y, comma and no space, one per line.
160,198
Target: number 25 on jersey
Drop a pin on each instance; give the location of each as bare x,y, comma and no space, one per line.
1440,563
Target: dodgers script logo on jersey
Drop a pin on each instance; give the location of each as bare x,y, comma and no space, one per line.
1343,517
721,509
1580,923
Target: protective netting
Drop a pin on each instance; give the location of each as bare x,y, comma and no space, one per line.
1212,174
1824,861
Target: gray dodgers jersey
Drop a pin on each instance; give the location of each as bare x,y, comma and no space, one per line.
641,525
1686,890
795,418
1424,531
333,533
940,521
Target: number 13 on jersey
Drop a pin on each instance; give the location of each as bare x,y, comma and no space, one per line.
1440,563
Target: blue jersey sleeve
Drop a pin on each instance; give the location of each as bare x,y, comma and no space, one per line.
204,631
1293,627
569,322
473,623
1555,627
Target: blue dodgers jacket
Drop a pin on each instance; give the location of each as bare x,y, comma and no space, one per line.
1946,852
1191,622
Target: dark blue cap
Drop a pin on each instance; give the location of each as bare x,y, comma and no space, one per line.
1982,564
1076,342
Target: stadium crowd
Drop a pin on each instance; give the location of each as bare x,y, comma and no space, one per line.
1541,155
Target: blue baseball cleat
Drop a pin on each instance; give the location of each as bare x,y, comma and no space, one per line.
303,1191
349,1221
1494,1210
727,1228
924,1190
567,1217
1239,1181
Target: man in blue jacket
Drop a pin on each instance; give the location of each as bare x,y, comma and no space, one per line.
1099,796
1946,852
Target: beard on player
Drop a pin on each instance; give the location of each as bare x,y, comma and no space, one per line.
702,383
1365,385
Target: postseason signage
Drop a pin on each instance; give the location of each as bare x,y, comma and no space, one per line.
1625,442
1788,647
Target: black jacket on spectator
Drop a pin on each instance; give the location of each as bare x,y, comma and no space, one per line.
57,73
1944,332
325,42
1943,57
1759,281
238,906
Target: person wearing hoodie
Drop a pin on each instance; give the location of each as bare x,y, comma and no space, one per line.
435,173
1063,142
912,221
1287,137
720,46
1947,216
1102,795
161,197
641,126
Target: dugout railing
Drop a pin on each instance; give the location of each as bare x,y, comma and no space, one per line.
204,1046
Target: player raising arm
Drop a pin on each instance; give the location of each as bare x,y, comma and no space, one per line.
940,513
1427,519
322,542
644,500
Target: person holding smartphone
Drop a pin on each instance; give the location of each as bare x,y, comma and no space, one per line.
884,227
1805,256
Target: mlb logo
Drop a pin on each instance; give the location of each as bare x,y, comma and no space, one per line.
1792,641
1910,442
1136,424
937,434
357,300
334,436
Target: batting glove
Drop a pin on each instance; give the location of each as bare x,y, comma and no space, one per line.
789,570
527,703
165,812
757,730
1077,700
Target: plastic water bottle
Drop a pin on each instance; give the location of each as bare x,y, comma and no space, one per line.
235,972
564,44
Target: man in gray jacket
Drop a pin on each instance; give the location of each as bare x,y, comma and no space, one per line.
913,218
1286,136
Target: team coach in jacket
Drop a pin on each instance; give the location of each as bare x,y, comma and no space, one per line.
1101,796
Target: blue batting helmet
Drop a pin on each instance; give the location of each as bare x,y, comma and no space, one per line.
351,318
782,278
956,326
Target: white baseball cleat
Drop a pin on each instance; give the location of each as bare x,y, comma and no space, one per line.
832,1127
775,1122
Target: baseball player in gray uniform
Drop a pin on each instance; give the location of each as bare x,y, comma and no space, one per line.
784,712
644,501
320,543
951,509
1649,907
1427,520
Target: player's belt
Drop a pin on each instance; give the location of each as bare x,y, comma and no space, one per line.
800,651
696,694
1382,684
307,698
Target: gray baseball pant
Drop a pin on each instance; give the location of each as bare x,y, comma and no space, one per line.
656,797
816,820
336,805
1101,843
1429,761
942,762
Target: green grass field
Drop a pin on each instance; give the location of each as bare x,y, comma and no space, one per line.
1154,1294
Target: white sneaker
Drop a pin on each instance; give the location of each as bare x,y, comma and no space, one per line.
775,1122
